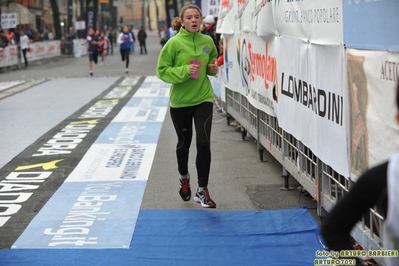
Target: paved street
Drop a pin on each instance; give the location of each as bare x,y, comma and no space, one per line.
55,97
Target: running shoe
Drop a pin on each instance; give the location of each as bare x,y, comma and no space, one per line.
204,198
184,189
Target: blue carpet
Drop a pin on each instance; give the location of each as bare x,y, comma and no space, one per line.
198,237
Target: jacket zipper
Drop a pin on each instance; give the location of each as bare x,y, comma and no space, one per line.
195,47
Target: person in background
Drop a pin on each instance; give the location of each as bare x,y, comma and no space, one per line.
186,67
378,186
71,35
103,46
110,35
125,40
209,28
44,35
171,33
24,45
132,46
3,39
142,36
164,35
50,36
93,41
220,60
11,37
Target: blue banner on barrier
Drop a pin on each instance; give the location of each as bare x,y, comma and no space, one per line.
371,24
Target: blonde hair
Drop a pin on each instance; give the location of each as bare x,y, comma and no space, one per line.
177,22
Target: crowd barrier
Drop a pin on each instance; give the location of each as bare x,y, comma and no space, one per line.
324,184
11,56
314,86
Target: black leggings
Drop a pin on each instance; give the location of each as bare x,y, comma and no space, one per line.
125,56
183,121
24,54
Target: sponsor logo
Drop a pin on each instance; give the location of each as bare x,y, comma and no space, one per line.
390,71
252,64
13,51
85,212
17,187
67,139
324,104
244,64
206,50
227,5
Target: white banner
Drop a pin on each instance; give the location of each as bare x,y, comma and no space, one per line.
263,19
210,7
8,56
372,81
40,50
311,20
243,17
258,71
9,20
226,18
312,100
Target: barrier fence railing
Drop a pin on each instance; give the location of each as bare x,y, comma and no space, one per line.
325,185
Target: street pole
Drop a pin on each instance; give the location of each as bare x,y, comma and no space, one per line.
143,14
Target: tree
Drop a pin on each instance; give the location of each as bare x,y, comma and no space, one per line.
56,19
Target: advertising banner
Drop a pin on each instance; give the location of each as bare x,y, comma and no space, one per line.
41,50
210,7
257,66
8,56
9,20
372,80
171,11
371,24
250,68
311,20
226,18
263,18
243,18
91,13
312,100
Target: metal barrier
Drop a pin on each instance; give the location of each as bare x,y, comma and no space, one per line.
319,179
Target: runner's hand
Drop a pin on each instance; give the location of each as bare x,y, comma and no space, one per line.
193,68
213,68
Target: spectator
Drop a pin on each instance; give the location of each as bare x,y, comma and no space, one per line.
134,40
71,35
171,32
142,35
50,36
3,39
209,28
163,35
110,35
24,45
11,37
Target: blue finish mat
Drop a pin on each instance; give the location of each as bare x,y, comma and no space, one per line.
198,237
